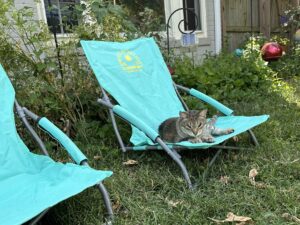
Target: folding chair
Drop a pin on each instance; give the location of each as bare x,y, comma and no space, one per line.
29,183
135,75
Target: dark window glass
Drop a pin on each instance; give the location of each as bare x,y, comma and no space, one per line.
192,17
61,16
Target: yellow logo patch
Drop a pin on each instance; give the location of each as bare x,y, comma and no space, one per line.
129,61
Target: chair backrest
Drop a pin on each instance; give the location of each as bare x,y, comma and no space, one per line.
13,152
135,74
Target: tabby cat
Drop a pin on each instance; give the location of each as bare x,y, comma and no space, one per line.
191,126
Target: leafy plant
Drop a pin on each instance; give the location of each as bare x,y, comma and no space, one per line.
288,65
58,87
280,40
103,20
225,76
293,17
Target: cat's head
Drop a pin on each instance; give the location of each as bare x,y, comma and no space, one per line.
192,122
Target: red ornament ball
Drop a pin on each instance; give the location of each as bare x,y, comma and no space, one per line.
271,51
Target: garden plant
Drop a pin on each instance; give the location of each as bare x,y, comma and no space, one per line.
262,184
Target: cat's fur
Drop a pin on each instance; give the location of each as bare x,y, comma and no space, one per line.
190,126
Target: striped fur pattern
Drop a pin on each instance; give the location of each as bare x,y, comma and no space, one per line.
191,126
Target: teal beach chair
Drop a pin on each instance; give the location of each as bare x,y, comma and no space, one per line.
31,184
135,75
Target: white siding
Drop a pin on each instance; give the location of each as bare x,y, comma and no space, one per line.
205,45
197,53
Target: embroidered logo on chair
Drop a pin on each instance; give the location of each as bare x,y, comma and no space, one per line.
129,61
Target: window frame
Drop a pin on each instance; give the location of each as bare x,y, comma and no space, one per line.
171,6
41,14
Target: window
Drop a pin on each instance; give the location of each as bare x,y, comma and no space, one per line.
161,9
60,14
150,15
192,15
197,23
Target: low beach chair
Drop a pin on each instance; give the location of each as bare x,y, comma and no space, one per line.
135,75
31,184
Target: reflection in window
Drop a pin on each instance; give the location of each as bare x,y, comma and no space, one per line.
61,16
192,22
146,13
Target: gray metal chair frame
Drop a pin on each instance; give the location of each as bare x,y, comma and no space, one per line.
172,152
23,113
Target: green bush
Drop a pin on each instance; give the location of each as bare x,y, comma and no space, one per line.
288,65
224,76
62,88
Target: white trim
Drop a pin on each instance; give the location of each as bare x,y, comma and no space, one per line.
171,6
218,26
41,11
203,19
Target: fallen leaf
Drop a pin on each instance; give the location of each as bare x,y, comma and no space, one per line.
235,139
261,185
224,180
97,157
233,218
130,162
289,217
174,204
252,174
116,205
244,223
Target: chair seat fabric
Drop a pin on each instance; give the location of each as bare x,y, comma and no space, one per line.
31,183
240,124
135,74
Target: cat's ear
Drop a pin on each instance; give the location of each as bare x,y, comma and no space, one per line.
183,115
203,113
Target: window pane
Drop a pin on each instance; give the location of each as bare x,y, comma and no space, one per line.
61,16
146,13
192,22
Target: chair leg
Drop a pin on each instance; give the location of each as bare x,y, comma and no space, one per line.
179,162
107,201
116,130
39,217
253,138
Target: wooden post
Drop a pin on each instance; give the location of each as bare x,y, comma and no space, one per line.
265,17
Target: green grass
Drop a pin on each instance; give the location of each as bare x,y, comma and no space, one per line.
154,192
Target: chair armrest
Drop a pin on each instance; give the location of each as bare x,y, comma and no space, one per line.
219,106
63,139
138,123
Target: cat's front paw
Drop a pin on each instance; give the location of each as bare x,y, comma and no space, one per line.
208,139
195,140
229,130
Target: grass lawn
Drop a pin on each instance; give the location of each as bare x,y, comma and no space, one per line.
154,192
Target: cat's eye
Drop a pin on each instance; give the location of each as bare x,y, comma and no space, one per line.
200,125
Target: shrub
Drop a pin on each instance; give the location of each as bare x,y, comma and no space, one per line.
57,81
225,76
288,65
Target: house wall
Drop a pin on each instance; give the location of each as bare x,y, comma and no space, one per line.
205,44
206,40
38,9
